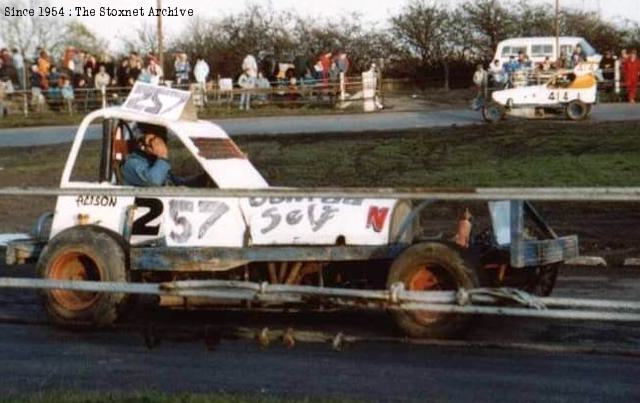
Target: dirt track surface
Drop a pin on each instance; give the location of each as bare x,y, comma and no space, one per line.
42,358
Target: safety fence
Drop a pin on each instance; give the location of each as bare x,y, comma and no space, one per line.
224,93
483,301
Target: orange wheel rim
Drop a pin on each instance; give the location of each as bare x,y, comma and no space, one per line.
74,266
425,279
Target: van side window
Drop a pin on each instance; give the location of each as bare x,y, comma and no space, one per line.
566,49
506,51
541,50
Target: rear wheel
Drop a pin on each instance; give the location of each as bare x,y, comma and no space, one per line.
576,110
430,267
83,254
493,112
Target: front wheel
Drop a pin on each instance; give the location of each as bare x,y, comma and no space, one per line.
431,267
493,112
577,110
83,254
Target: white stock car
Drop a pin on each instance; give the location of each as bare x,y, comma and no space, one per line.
571,93
324,242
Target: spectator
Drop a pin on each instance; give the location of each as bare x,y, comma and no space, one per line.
607,65
302,67
68,64
264,85
78,67
201,74
562,62
325,62
18,63
124,71
183,69
135,71
67,93
154,71
631,68
53,93
246,82
546,64
37,100
480,80
250,66
201,71
90,63
103,79
509,68
343,62
497,74
582,55
44,64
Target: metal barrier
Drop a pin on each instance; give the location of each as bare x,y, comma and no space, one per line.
607,194
501,301
480,301
282,92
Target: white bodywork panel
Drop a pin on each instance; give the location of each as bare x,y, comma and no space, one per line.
318,221
223,222
543,95
214,222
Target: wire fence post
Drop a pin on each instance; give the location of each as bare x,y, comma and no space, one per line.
343,94
616,76
103,93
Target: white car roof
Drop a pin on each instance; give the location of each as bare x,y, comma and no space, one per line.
212,147
532,39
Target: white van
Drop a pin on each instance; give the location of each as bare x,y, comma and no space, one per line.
538,48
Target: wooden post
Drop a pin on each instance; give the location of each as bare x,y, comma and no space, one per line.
160,44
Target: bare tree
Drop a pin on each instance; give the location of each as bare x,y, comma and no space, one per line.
144,39
28,33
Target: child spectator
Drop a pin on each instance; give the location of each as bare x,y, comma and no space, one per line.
246,83
67,93
183,69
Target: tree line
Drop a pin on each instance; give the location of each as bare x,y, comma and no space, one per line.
426,38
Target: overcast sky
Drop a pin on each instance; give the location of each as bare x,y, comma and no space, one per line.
372,10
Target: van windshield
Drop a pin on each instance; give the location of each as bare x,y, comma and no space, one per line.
588,49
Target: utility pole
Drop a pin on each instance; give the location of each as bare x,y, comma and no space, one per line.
557,29
160,45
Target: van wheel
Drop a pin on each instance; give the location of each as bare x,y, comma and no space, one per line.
493,112
431,267
576,110
83,254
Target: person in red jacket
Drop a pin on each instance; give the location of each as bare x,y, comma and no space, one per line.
631,70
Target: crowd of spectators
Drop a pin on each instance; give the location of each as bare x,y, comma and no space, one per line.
79,76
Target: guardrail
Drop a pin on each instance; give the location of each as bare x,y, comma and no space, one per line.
501,301
479,301
607,194
221,94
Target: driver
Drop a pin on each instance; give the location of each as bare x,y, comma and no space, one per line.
148,165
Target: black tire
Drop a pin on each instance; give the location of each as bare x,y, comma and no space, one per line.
83,253
493,112
447,265
542,280
576,110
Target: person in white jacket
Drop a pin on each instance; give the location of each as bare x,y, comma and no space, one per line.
201,73
247,80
